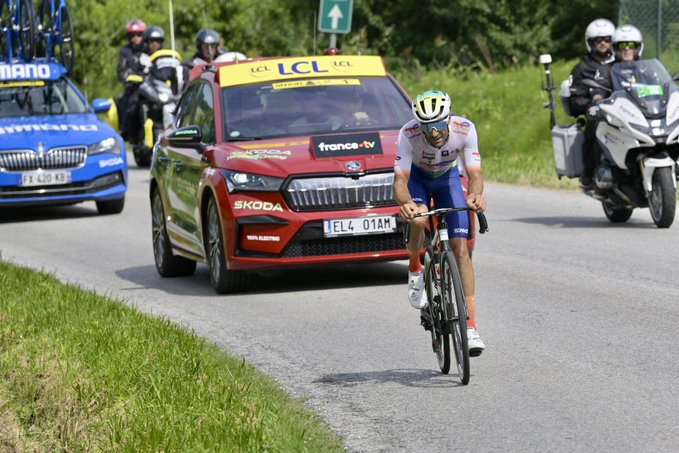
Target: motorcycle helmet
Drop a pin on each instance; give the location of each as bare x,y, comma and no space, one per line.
206,36
230,56
598,28
628,34
135,26
431,106
154,32
332,51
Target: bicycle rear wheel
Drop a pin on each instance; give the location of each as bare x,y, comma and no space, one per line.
64,48
4,24
455,313
26,40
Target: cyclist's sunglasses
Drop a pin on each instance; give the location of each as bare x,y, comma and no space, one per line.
439,126
136,33
630,44
602,38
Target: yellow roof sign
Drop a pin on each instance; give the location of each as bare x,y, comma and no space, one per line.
282,69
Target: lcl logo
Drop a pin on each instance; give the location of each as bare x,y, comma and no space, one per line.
342,65
259,71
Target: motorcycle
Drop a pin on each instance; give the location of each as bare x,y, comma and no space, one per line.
638,135
150,109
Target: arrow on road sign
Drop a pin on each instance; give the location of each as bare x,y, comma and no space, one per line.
335,15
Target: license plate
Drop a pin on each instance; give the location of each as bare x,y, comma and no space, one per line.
45,178
359,226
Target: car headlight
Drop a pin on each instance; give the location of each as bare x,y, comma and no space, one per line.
238,180
108,145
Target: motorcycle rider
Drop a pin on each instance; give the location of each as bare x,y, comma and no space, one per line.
207,48
154,39
428,148
628,44
594,66
165,80
132,62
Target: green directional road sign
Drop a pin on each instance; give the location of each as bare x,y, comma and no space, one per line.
335,16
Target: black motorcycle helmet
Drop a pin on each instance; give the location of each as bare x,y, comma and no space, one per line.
154,32
206,36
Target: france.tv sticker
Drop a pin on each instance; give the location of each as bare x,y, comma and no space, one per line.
346,145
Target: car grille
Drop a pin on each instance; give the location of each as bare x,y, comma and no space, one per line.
340,192
55,158
343,245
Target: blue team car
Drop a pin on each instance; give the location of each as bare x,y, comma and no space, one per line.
53,147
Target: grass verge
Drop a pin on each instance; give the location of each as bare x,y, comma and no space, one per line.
80,372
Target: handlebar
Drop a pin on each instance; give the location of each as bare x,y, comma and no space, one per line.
483,223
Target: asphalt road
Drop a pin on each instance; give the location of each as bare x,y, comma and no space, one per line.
579,316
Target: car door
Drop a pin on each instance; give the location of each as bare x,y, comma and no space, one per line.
186,167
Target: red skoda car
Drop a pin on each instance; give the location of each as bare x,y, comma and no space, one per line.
279,162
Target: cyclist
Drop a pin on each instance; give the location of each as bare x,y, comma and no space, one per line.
428,148
596,66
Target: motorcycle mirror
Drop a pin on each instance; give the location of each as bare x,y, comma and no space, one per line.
595,84
545,58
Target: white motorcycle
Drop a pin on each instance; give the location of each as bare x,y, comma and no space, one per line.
638,134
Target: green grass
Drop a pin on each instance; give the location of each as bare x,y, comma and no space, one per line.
513,127
80,372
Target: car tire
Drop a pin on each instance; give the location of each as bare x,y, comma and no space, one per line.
223,280
111,206
167,264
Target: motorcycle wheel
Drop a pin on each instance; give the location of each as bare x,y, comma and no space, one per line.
662,200
616,213
142,156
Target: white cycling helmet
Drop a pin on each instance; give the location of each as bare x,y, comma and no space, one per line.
598,28
629,33
431,106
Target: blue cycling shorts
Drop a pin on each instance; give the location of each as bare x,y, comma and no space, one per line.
446,190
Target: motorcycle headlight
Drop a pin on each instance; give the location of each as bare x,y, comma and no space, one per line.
238,180
108,145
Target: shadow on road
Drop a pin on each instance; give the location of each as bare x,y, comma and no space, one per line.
306,278
407,377
32,214
583,222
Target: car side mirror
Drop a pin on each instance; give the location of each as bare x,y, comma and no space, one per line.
187,137
101,105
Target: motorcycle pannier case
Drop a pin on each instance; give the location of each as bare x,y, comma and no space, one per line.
567,142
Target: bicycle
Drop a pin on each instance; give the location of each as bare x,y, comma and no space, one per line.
17,30
56,32
447,311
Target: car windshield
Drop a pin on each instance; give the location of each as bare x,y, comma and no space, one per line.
312,106
39,97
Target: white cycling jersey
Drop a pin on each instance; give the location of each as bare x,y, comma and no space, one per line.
414,150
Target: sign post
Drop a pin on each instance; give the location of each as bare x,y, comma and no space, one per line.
334,16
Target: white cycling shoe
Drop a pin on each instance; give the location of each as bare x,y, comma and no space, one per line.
474,343
416,293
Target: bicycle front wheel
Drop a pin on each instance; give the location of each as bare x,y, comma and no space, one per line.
440,338
455,313
26,30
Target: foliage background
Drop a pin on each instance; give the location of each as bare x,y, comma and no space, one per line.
470,35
